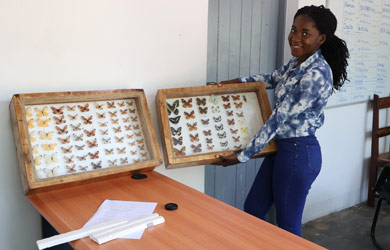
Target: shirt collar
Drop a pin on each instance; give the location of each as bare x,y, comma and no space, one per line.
306,63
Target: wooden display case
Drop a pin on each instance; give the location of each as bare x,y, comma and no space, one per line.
67,138
196,123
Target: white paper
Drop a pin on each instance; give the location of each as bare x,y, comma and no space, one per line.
129,210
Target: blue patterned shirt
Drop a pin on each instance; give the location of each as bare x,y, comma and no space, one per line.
301,94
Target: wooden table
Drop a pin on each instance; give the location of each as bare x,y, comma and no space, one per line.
201,222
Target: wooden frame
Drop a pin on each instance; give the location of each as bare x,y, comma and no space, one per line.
65,138
198,122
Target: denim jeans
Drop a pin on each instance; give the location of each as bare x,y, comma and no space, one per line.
285,179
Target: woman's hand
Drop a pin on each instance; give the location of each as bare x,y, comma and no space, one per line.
236,80
227,160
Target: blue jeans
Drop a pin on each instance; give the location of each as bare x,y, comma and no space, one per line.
285,179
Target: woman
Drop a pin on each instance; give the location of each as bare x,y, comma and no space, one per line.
302,88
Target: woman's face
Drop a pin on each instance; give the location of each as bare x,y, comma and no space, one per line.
304,38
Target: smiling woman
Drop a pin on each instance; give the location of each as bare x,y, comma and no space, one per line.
302,88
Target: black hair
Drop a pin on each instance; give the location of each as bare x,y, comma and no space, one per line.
334,49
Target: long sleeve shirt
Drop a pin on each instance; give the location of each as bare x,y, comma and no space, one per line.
301,93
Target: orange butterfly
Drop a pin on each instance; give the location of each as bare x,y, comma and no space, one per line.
192,127
99,106
89,133
101,115
194,137
111,105
238,105
126,119
190,115
236,97
132,111
138,134
136,126
87,120
94,155
84,108
117,130
59,120
30,123
130,103
144,154
121,104
67,150
42,112
123,111
230,122
180,152
43,123
187,103
141,147
227,106
58,111
92,144
128,128
134,119
49,147
140,141
61,131
119,139
64,140
133,152
210,147
103,124
70,108
129,136
32,137
28,112
113,114
132,143
225,98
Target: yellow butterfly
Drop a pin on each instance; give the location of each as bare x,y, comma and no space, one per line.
32,137
30,123
43,123
46,136
37,160
49,147
42,112
244,130
246,138
51,159
35,149
28,112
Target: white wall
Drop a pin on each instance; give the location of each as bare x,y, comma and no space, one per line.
55,45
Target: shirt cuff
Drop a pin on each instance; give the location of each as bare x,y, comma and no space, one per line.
242,157
242,79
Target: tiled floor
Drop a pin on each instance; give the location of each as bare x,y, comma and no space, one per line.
350,229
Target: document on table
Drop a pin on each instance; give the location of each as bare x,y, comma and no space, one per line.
129,210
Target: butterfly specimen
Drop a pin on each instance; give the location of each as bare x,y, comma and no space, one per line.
109,151
92,144
121,104
177,141
242,122
244,98
144,154
230,122
101,115
35,149
227,106
37,160
205,122
71,168
209,140
219,127
42,112
186,103
236,97
174,120
141,147
233,131
124,160
104,132
222,135
225,98
73,117
130,103
192,127
175,132
173,108
78,137
83,168
76,127
51,159
94,155
215,109
117,129
129,136
240,114
82,158
134,119
194,137
51,172
210,147
238,147
30,123
89,133
121,150
106,140
238,105
132,143
87,120
201,102
196,148
99,106
56,111
67,150
136,126
236,139
64,140
123,111
140,141
224,144
28,112
217,119
103,124
79,147
84,108
69,159
214,100
244,130
138,134
132,111
136,160
71,108
133,152
119,139
114,121
112,163
207,132
111,105
190,115
96,165
49,147
43,123
229,113
63,130
46,136
180,152
127,127
113,114
203,110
